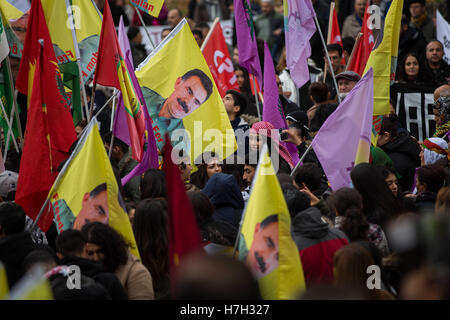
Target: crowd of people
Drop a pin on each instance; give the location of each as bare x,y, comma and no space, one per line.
396,215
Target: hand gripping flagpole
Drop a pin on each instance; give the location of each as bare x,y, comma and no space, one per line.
328,57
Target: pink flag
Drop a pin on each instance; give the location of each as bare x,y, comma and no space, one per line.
344,138
273,110
299,27
246,39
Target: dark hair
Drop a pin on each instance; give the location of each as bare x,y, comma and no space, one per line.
318,91
401,76
197,32
323,111
97,190
200,177
82,123
333,47
348,43
246,86
390,124
379,204
166,29
202,24
70,242
150,227
113,246
116,143
310,174
269,220
204,79
239,100
348,203
153,184
132,32
296,201
433,176
252,159
302,128
38,256
202,206
12,218
435,40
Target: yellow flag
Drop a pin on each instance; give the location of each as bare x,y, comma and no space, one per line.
266,244
383,59
180,93
33,286
86,189
3,282
9,12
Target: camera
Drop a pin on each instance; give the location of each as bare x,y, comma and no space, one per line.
283,135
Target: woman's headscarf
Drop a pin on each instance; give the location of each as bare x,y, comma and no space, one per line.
265,128
434,149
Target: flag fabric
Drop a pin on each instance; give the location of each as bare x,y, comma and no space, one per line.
343,141
3,281
184,235
218,59
48,136
182,98
7,96
33,286
273,110
265,242
335,34
4,47
13,16
443,34
383,58
246,38
112,72
120,129
152,7
299,27
364,46
86,189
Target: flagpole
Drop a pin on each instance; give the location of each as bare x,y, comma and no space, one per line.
106,103
145,28
301,159
328,57
216,20
16,108
350,59
256,99
112,124
9,124
78,57
330,25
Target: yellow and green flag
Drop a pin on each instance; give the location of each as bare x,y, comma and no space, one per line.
266,244
87,190
182,97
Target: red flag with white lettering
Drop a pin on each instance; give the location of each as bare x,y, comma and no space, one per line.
335,34
219,61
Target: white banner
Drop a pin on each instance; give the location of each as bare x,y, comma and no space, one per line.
443,34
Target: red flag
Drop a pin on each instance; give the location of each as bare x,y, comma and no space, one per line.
112,72
184,235
363,48
335,33
219,62
49,132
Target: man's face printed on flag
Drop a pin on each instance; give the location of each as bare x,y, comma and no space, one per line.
94,207
263,255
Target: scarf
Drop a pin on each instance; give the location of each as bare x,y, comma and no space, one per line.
419,20
434,149
442,130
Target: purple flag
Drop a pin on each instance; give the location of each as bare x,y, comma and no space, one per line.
120,129
299,27
344,138
273,110
246,39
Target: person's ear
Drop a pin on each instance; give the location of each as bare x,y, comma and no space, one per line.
86,197
59,255
177,82
257,226
236,109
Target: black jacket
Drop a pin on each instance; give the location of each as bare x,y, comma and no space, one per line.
425,202
13,250
95,271
404,153
438,76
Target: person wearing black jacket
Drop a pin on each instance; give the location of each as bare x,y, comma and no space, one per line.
70,246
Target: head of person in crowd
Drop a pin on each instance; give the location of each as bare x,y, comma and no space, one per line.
430,178
202,206
250,168
335,54
184,164
434,149
297,116
203,26
198,36
235,57
267,7
347,203
321,114
208,164
71,243
388,130
348,43
105,245
174,17
379,204
309,175
80,127
441,91
434,52
262,132
296,200
318,92
8,185
165,32
346,81
150,227
214,277
153,184
235,104
134,35
442,205
360,6
119,149
391,180
242,79
441,111
416,8
44,257
410,69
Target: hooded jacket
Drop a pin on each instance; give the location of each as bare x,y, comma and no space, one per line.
404,153
224,193
317,244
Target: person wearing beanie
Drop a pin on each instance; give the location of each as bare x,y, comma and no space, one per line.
420,18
